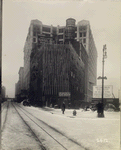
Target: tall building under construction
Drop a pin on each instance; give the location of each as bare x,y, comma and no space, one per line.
60,63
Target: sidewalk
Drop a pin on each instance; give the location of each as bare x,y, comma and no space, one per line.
83,114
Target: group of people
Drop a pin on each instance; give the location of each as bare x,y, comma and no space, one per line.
99,106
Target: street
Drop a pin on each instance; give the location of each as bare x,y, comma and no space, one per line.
34,128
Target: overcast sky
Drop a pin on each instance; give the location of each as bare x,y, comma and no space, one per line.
105,21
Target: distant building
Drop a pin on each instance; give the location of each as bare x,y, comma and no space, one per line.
21,77
17,90
19,86
3,92
78,38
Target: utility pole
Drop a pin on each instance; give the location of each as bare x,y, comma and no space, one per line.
104,57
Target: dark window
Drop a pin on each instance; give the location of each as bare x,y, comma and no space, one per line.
34,40
84,34
81,34
60,30
46,29
60,36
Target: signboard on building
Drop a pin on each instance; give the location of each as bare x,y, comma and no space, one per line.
64,94
108,91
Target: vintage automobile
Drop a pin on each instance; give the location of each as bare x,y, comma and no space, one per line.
26,102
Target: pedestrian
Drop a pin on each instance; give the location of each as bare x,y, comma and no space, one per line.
100,109
63,107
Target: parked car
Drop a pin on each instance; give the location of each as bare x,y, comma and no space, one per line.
110,107
26,102
93,107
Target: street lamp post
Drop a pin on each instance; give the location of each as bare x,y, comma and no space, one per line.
104,57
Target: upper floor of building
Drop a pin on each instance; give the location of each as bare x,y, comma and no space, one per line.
60,34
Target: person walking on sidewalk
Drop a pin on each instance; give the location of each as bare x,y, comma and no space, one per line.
63,107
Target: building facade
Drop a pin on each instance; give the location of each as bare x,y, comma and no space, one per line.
3,93
21,77
17,90
19,86
78,37
56,75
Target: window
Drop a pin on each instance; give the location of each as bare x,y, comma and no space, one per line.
60,36
34,40
84,40
80,40
60,30
82,28
84,34
46,29
80,34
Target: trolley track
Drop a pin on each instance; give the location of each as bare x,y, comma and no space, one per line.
4,118
31,130
46,128
3,105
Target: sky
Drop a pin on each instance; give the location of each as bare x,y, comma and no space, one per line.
105,21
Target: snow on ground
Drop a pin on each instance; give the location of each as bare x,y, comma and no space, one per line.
16,135
86,128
